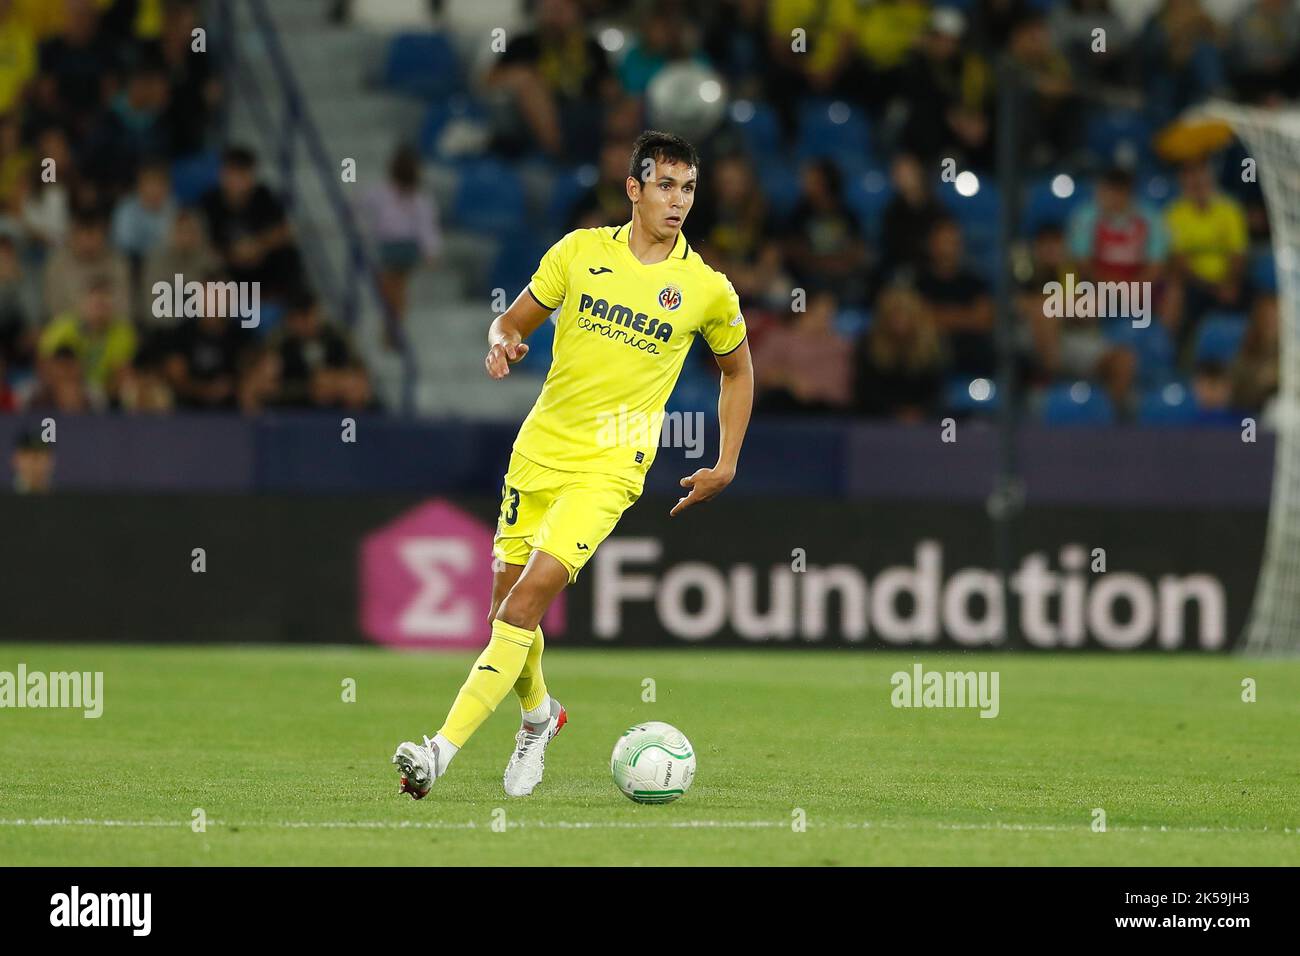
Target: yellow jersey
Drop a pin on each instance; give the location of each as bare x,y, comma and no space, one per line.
622,331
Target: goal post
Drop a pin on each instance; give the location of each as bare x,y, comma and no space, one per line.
1272,140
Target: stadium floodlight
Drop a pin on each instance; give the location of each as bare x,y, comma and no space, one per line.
1272,139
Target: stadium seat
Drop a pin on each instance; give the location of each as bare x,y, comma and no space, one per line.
1122,136
515,261
1168,404
868,194
1157,189
851,323
489,198
1263,273
1044,208
835,130
1077,403
1152,345
779,181
1219,336
442,113
421,64
758,127
566,190
965,395
195,175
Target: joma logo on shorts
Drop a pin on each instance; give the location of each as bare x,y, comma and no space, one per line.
621,315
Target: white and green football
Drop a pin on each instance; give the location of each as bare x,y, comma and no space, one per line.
653,763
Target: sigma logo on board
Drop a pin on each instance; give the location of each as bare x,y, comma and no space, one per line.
906,604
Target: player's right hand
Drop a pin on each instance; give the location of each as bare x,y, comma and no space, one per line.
501,357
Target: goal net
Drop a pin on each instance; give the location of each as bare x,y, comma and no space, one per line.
1272,140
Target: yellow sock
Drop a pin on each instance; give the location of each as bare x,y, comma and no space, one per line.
531,687
490,679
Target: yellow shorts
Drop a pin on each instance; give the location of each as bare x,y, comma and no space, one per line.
567,514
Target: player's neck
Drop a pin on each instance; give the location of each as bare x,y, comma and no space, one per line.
646,247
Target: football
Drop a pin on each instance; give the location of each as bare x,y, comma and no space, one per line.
653,763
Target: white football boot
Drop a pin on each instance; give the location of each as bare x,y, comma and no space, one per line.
419,767
524,772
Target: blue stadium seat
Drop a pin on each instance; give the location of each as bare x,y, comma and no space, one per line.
489,198
1045,208
442,112
758,127
567,190
835,130
965,395
1157,189
421,64
1168,404
853,322
1152,345
515,262
779,181
867,195
194,175
1219,336
1120,135
1077,403
1263,273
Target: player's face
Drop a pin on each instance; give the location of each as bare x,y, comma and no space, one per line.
664,200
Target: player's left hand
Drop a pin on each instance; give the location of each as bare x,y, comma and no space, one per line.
704,484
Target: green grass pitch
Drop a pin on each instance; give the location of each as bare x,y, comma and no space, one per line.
286,772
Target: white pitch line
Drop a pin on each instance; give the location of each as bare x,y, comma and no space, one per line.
622,825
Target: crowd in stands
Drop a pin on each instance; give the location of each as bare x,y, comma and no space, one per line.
878,300
112,180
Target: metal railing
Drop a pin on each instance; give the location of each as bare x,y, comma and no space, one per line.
281,112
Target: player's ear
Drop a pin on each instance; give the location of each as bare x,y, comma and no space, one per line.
633,188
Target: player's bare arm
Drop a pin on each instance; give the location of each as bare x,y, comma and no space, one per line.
506,336
735,401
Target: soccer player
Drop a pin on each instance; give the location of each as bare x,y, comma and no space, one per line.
630,300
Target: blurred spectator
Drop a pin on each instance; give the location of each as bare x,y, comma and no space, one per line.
1115,238
195,86
16,162
404,225
129,131
17,56
553,80
186,253
1180,57
804,365
143,220
733,231
75,68
1212,390
205,356
98,336
824,245
877,39
86,255
248,227
17,311
1048,116
46,209
1264,51
317,364
61,382
909,217
1074,23
899,362
32,462
1070,346
1209,242
947,88
735,39
605,203
958,300
1256,368
665,34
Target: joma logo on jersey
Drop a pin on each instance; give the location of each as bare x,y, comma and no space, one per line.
617,314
